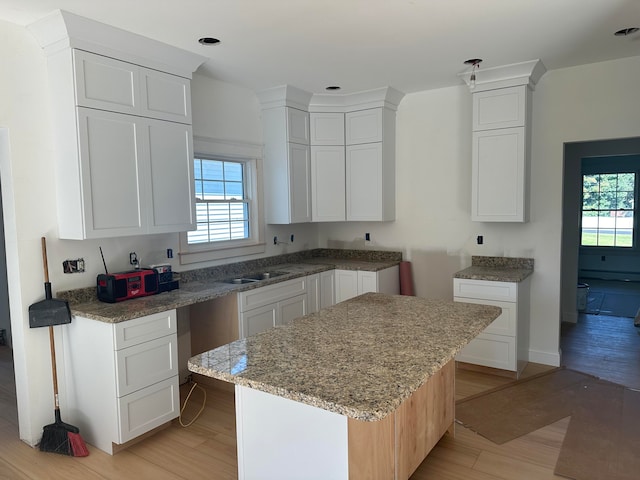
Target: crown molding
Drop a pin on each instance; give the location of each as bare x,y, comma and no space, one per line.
523,73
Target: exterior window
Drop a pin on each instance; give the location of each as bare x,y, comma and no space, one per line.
222,205
608,209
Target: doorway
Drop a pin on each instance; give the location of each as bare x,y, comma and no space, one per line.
597,340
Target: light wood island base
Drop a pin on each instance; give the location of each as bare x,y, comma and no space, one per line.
280,438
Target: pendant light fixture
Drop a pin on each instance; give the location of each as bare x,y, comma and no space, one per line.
475,64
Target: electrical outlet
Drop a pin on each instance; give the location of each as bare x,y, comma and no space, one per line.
73,266
480,240
367,237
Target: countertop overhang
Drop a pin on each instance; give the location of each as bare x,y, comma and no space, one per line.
360,358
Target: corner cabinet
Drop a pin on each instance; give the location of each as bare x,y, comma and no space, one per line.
351,283
125,147
500,155
287,165
504,344
121,380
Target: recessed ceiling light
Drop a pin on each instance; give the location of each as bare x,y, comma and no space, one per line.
208,41
626,31
333,88
473,61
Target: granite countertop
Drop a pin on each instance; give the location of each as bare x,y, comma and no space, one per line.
497,269
360,358
206,284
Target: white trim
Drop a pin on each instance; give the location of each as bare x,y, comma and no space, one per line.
545,358
251,153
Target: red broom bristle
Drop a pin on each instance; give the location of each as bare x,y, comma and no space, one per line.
78,447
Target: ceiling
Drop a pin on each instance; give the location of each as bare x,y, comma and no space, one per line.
411,45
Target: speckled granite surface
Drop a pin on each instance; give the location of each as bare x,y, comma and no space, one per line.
360,358
497,269
206,284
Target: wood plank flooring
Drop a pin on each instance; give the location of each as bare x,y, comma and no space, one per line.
207,449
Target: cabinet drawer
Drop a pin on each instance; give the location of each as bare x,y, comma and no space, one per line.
145,364
143,329
271,293
505,324
148,408
485,289
494,351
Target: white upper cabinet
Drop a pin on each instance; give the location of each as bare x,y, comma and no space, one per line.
122,104
500,155
327,128
287,165
500,152
500,108
364,126
328,200
108,84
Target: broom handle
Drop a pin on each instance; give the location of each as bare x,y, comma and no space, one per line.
54,371
44,259
52,344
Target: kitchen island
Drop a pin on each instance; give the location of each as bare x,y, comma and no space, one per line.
363,389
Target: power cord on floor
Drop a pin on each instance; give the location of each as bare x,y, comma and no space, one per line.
204,401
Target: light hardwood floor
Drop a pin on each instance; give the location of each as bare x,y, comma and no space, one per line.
207,449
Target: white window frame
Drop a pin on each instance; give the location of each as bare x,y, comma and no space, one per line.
251,156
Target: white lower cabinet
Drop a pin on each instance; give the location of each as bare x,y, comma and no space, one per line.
504,344
120,380
351,283
263,308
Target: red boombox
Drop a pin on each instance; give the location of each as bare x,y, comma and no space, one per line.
115,287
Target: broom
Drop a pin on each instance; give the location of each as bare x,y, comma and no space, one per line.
57,437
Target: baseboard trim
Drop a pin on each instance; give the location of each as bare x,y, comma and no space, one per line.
545,358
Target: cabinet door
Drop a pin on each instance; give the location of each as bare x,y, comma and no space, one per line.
328,183
364,126
259,320
364,182
314,293
165,96
290,309
327,128
500,108
111,157
172,202
499,175
300,183
327,289
297,126
346,284
496,351
367,282
105,83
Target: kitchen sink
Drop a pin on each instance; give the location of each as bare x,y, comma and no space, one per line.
256,277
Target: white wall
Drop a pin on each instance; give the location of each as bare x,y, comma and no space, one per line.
433,226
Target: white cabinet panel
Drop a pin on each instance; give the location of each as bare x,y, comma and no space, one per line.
147,409
327,129
505,324
258,320
268,294
367,282
364,182
146,363
327,289
300,183
346,285
164,96
143,329
485,290
499,175
171,178
364,126
328,202
297,126
499,108
111,156
495,351
351,283
291,309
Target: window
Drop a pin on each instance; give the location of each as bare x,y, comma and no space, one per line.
608,209
222,207
229,217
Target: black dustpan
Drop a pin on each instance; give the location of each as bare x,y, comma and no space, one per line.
50,311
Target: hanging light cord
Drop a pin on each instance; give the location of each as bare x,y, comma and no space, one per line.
204,401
